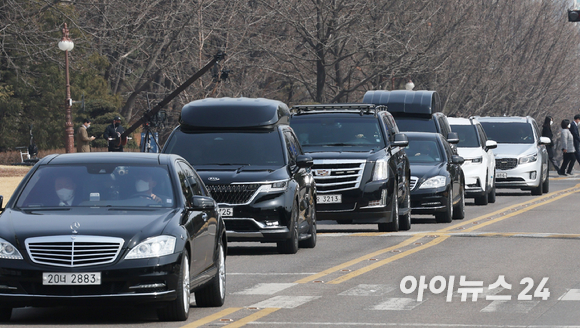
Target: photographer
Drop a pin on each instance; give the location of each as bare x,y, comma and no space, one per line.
113,134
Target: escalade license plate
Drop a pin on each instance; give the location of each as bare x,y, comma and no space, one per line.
329,199
500,175
226,211
68,278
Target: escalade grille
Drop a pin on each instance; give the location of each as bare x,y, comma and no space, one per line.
506,163
337,175
73,251
233,194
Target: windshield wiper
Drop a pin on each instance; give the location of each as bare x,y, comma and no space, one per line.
337,144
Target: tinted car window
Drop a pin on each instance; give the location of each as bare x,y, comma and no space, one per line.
415,124
338,131
467,135
219,148
512,132
98,185
424,151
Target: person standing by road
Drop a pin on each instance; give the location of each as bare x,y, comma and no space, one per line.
83,138
567,141
576,136
113,134
547,132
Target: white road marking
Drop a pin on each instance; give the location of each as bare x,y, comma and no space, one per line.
486,292
378,324
510,306
571,295
285,302
368,290
266,289
397,304
270,273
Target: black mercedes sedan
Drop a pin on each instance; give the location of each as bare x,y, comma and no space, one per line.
437,181
106,228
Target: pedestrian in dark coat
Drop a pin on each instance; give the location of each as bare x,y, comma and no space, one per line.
547,132
567,142
113,134
576,136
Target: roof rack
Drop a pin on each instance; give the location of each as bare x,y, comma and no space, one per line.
361,108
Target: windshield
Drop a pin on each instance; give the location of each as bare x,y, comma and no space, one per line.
467,135
415,124
424,151
98,185
359,133
513,133
229,148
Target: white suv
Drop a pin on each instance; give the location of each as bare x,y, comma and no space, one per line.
479,165
521,156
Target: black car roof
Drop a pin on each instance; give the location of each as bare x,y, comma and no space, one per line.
423,135
108,157
234,113
403,102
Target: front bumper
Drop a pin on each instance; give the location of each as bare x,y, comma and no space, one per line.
134,281
429,201
475,179
523,176
370,203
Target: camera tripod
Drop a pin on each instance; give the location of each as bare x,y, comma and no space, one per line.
146,142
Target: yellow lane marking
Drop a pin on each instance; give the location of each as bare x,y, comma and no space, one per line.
360,259
251,318
540,201
387,260
211,318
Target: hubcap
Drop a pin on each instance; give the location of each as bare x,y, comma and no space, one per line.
222,272
186,292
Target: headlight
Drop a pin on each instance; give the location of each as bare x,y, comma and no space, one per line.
381,171
434,182
477,160
275,186
153,247
528,159
9,252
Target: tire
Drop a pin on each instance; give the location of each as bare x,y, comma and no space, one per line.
310,242
392,226
459,209
5,314
405,219
178,310
491,195
214,294
539,190
447,216
290,245
546,186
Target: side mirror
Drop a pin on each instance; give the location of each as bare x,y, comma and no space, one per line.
545,140
191,181
456,159
304,161
401,140
453,138
490,144
203,203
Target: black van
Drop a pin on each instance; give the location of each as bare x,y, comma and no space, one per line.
414,111
254,167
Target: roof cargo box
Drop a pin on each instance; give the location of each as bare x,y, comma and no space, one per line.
404,102
234,113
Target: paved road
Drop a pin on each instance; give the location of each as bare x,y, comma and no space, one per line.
514,263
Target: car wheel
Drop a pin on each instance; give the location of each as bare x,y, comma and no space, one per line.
491,195
392,226
447,216
5,314
214,294
405,219
178,310
290,245
459,209
310,242
546,186
539,189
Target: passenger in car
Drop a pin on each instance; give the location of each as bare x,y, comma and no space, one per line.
144,184
65,187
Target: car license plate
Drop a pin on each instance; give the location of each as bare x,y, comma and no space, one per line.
329,199
69,278
226,211
501,175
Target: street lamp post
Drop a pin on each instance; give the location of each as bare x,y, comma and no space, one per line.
67,45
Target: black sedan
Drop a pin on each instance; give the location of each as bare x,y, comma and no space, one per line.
124,228
437,181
